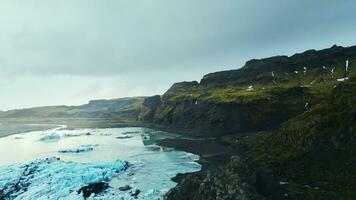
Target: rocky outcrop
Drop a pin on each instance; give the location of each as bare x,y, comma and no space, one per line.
258,70
149,107
230,182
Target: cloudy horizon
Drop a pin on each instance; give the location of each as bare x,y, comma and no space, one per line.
69,52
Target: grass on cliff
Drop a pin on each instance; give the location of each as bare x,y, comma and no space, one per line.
314,152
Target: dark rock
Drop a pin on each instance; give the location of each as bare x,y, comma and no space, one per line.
135,193
93,188
125,188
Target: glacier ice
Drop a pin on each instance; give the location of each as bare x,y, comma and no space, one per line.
52,178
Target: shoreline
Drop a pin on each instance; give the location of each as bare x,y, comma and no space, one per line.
205,148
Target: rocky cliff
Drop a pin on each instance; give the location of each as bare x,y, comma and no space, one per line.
260,96
291,120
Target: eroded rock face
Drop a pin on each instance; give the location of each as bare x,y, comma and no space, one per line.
149,107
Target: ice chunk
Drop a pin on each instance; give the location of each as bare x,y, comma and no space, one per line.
53,137
80,149
52,178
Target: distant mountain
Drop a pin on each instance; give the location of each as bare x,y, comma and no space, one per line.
113,108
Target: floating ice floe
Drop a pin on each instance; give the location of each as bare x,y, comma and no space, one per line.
80,149
76,134
52,178
105,134
124,137
53,137
130,132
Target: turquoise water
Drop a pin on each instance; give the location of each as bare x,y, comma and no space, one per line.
151,168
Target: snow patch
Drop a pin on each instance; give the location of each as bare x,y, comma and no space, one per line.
347,65
305,70
342,79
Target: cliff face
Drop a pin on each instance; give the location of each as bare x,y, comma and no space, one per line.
310,152
260,96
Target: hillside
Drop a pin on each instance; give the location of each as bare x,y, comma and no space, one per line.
290,120
125,108
259,96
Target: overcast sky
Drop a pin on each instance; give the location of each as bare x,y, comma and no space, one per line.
71,51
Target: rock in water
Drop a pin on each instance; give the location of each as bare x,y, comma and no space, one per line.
125,188
93,188
135,192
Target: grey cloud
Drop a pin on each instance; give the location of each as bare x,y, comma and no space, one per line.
159,41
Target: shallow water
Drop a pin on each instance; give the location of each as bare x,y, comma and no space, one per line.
152,166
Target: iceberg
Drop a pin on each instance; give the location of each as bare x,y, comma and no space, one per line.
52,178
80,149
53,137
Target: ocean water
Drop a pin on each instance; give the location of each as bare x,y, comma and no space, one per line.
151,166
